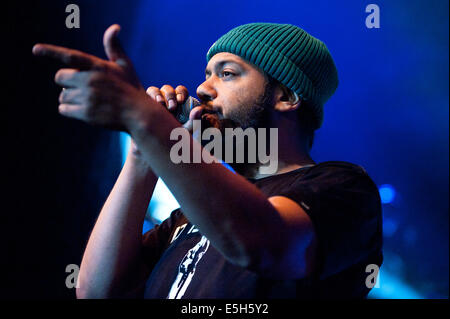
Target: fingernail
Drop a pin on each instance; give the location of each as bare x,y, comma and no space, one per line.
159,98
172,103
180,97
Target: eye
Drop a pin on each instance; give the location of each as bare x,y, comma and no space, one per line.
227,74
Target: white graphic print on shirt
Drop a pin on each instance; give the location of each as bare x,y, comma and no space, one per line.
188,264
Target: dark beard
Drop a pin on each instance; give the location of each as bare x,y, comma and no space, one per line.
256,116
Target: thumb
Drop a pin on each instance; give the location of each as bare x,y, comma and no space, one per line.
195,114
113,48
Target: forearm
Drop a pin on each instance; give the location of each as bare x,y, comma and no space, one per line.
233,213
112,260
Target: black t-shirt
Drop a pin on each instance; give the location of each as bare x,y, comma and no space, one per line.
345,208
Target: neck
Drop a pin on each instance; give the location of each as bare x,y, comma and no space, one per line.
293,152
286,163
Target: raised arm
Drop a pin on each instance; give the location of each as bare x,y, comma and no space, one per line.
112,264
249,229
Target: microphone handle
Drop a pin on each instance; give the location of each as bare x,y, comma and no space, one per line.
182,113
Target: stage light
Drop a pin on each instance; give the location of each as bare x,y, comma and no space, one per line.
391,287
390,226
387,193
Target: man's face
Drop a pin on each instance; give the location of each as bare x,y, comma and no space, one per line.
238,95
237,91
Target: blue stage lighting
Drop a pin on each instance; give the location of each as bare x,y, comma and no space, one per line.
387,193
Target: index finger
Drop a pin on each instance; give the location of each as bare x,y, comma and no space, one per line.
71,57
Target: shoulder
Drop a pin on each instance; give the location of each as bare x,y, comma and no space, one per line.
344,205
327,175
334,180
338,167
337,174
343,181
333,187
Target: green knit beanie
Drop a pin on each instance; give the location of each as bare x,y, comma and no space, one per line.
288,54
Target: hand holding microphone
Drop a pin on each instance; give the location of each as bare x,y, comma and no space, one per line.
184,107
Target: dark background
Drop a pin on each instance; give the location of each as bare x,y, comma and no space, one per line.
389,114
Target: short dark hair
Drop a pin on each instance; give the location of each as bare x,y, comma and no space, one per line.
306,117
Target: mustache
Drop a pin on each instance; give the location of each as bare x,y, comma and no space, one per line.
213,119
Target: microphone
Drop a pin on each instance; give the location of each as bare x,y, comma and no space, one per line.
182,112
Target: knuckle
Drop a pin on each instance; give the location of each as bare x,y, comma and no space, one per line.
166,87
91,96
71,59
168,91
104,66
152,90
181,89
68,58
93,78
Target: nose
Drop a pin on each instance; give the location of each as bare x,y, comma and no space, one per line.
206,91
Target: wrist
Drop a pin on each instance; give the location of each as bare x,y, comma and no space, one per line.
150,124
139,107
140,172
138,164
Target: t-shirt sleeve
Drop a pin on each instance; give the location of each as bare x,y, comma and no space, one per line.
345,208
156,240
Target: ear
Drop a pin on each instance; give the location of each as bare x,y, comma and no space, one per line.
286,100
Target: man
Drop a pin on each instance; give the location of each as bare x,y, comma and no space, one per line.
307,231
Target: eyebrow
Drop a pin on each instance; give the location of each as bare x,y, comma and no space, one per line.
221,64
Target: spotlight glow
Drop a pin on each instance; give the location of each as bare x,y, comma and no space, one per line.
387,193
